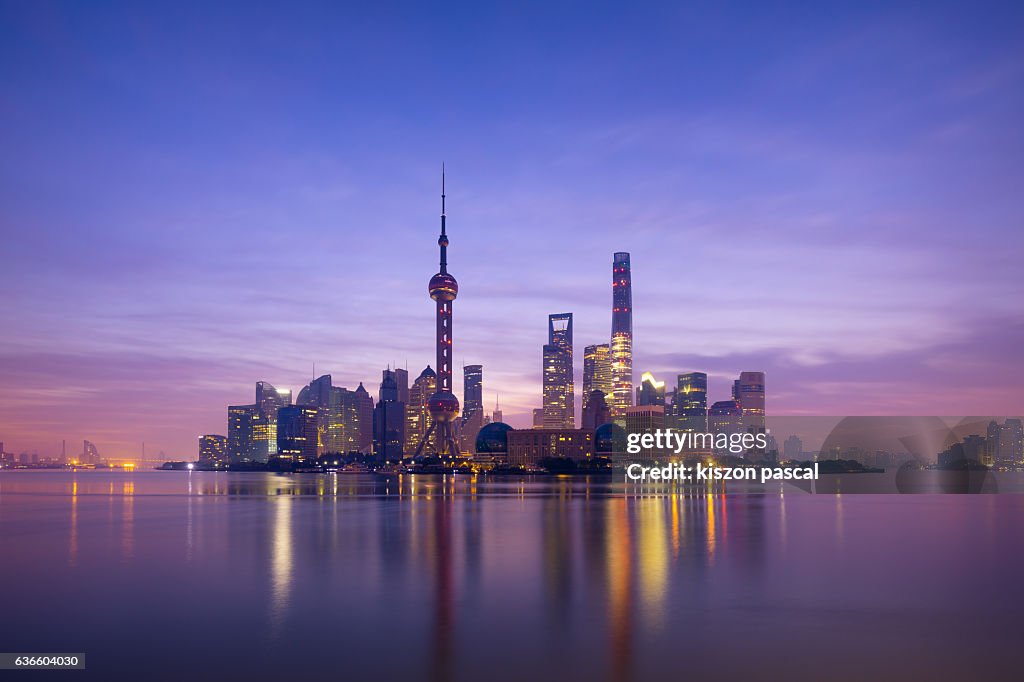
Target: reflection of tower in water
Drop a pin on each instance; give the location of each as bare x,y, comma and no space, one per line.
618,556
443,589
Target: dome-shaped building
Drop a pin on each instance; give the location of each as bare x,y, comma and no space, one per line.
493,439
609,440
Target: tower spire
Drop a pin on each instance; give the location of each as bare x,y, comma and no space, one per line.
442,241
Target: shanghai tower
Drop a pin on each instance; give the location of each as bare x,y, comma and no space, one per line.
621,350
443,405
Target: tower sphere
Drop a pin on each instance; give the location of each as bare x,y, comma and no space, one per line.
443,287
443,406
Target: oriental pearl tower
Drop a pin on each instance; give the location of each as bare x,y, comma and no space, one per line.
443,405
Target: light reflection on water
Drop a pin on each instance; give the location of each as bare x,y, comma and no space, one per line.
281,562
458,578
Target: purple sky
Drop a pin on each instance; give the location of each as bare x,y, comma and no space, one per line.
192,200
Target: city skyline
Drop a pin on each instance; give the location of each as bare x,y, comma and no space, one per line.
175,232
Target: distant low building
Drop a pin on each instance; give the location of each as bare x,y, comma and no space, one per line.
526,447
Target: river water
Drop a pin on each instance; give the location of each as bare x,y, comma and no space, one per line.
251,576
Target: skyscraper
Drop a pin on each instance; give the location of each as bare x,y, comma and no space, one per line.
417,414
473,408
402,379
793,448
621,346
690,402
748,391
597,372
650,391
443,405
596,412
992,443
326,398
559,395
1011,443
388,421
473,389
345,417
90,455
297,434
240,433
264,426
725,416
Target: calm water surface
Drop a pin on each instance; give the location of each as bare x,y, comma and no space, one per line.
175,576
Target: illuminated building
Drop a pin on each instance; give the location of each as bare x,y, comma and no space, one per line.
650,391
344,416
621,346
417,416
596,410
241,447
559,401
538,418
473,389
443,405
264,428
1010,450
213,450
297,434
725,416
991,444
320,394
473,408
90,455
690,402
748,391
252,429
526,447
597,372
388,421
643,419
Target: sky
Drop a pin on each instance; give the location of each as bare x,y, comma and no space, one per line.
198,196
